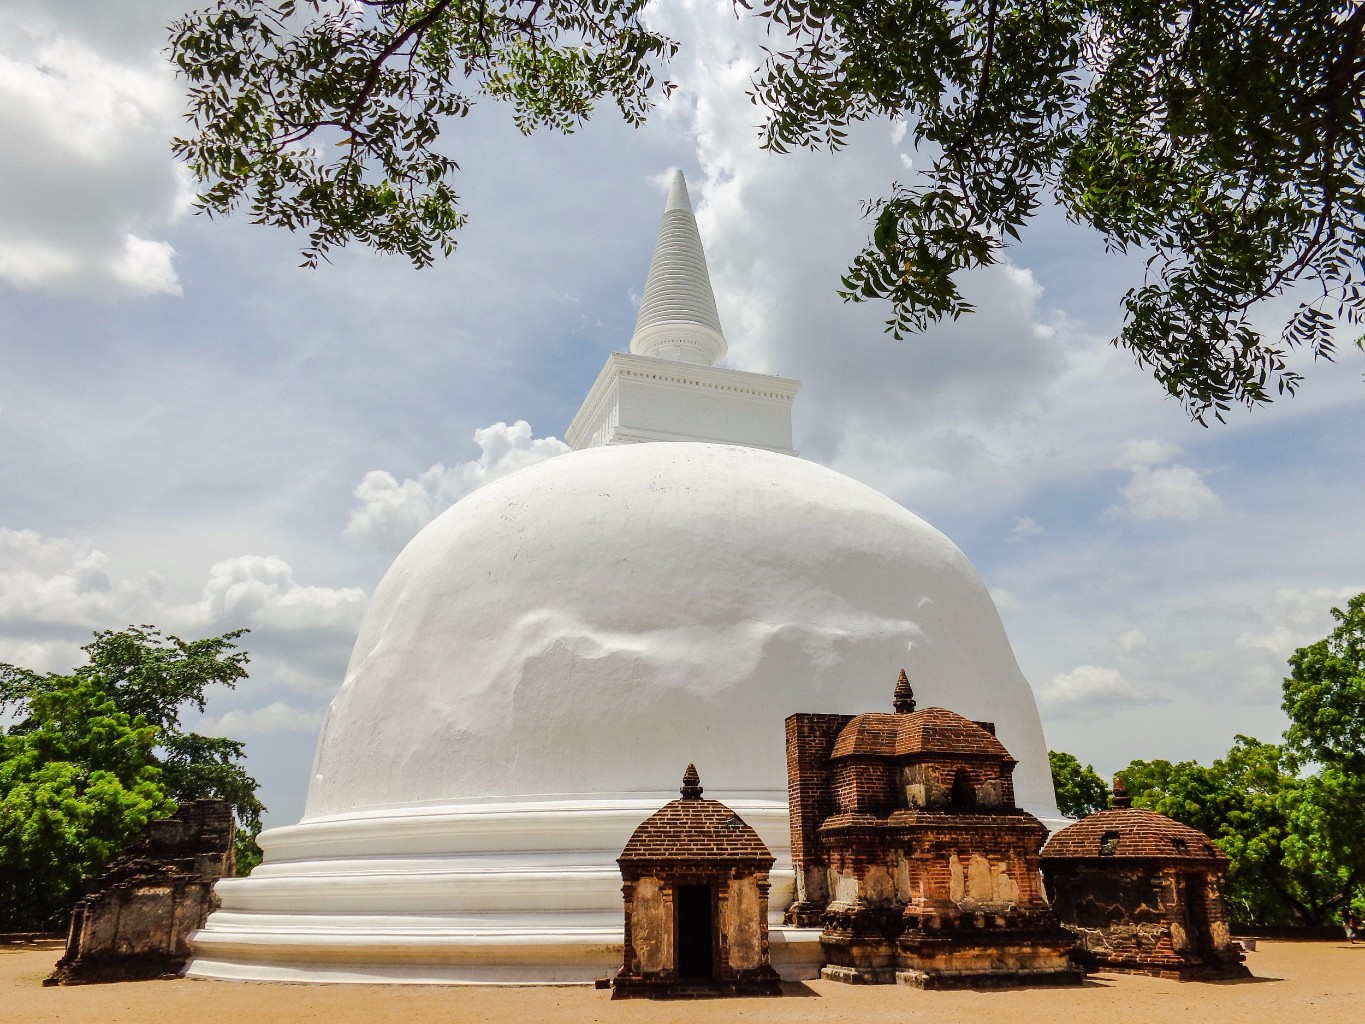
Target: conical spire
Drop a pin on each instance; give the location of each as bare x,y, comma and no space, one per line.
678,318
904,697
691,787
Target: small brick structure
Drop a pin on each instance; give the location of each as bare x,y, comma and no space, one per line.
137,923
695,882
1143,893
910,851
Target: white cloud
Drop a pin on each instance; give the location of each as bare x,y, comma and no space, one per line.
86,161
260,591
1024,528
1091,690
1299,617
54,592
1135,455
391,511
1157,491
272,718
1132,640
1172,492
53,580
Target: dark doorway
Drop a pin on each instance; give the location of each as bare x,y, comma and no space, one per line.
964,793
694,931
1197,914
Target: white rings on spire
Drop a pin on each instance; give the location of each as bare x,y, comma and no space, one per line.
678,318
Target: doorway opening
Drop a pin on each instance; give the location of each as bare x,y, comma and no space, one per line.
963,792
1197,914
696,929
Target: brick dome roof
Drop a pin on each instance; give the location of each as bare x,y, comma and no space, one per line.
931,731
1130,832
695,830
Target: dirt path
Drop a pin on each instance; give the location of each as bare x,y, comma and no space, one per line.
1296,982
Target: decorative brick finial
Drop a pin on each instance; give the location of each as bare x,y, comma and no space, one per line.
691,787
904,702
1121,797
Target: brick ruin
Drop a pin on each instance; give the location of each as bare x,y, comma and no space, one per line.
137,923
910,851
695,883
1143,894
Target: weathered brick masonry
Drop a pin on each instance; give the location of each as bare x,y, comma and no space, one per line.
137,922
910,851
1143,893
695,884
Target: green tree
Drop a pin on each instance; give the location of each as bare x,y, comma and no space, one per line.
1293,841
1324,694
1223,141
1080,791
93,755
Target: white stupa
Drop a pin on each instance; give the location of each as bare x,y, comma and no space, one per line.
543,659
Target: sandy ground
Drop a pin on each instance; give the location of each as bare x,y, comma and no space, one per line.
1295,981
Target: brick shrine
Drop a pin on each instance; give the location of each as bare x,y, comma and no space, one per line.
137,922
911,852
1143,893
695,884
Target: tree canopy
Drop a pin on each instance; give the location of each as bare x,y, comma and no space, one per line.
1324,694
1080,791
1221,141
92,756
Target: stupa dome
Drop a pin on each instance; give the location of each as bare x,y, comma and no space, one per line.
539,660
585,625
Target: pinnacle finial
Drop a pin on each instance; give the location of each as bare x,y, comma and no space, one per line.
678,318
904,697
1120,797
678,199
691,787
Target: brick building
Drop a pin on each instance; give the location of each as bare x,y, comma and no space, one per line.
910,850
695,882
1143,894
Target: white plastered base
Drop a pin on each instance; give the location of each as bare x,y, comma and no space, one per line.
480,893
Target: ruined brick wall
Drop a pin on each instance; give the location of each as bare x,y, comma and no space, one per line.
940,899
137,922
952,865
810,738
1145,917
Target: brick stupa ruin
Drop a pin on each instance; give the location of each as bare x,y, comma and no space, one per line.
1143,893
911,852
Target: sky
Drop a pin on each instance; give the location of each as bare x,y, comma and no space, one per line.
197,433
